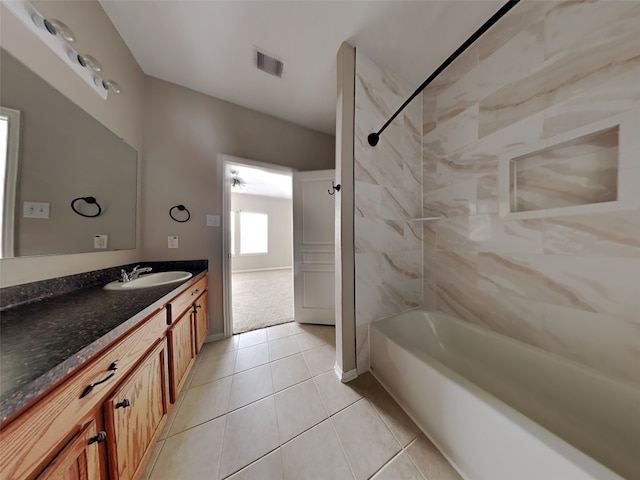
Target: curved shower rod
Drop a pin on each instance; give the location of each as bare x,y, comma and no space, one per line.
374,137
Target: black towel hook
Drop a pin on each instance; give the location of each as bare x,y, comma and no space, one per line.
89,200
334,189
180,208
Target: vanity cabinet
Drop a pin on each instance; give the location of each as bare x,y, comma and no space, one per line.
136,413
200,321
103,420
187,315
181,353
79,459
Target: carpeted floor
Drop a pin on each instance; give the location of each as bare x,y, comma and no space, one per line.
261,299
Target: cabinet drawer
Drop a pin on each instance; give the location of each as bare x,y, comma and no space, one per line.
182,302
31,440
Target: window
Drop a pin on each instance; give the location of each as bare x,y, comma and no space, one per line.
253,233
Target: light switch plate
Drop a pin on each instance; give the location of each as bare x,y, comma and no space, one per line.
36,210
100,241
213,220
173,241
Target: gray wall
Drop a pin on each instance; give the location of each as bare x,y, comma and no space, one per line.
185,132
120,113
280,232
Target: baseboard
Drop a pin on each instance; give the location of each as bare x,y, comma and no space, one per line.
214,337
345,377
262,269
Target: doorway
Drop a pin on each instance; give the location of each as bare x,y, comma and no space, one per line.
259,237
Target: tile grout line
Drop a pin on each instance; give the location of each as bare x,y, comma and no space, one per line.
344,452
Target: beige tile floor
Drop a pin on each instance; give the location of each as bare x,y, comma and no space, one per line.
267,405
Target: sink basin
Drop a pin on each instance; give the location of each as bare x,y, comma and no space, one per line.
150,280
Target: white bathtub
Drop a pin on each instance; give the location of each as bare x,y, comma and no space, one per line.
501,410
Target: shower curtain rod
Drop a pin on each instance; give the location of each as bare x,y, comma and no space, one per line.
373,138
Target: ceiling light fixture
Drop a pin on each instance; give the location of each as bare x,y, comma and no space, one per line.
59,38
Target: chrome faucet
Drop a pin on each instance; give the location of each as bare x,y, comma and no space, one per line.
135,273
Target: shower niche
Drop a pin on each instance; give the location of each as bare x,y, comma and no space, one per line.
586,170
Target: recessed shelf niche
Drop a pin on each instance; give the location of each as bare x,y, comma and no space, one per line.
580,171
592,169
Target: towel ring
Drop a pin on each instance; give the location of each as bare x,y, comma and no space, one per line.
180,208
90,201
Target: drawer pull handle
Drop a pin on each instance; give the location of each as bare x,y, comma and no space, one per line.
198,306
112,368
195,291
123,404
99,438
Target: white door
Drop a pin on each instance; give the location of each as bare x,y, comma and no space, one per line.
314,247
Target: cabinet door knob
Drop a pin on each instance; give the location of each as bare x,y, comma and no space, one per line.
99,438
198,306
123,404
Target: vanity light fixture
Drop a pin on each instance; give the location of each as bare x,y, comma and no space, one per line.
60,38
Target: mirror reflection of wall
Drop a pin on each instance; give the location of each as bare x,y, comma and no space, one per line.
63,154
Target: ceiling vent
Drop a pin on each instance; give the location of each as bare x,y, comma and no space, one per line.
269,64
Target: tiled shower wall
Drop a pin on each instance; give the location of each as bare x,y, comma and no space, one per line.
388,191
569,284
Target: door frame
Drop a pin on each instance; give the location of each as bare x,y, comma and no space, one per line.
224,161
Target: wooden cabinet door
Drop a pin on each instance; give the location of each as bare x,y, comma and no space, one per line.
78,460
201,320
135,415
181,355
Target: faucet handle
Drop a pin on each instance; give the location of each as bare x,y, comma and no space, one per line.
124,276
135,268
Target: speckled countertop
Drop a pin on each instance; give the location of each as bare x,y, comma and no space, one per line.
42,342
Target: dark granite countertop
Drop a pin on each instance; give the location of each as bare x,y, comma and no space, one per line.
42,342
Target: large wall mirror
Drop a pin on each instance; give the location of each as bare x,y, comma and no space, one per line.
52,152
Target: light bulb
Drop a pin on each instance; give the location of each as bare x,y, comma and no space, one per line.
111,86
61,29
91,62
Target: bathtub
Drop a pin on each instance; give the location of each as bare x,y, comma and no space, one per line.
501,410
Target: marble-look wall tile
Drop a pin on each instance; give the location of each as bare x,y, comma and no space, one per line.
525,13
401,266
603,20
566,283
507,64
558,79
388,195
462,65
489,233
368,200
451,201
429,294
614,96
375,235
602,342
481,157
460,268
563,176
412,235
454,133
400,203
613,234
429,113
487,194
594,284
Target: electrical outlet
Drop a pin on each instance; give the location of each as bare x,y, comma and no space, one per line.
213,220
100,241
36,210
173,241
